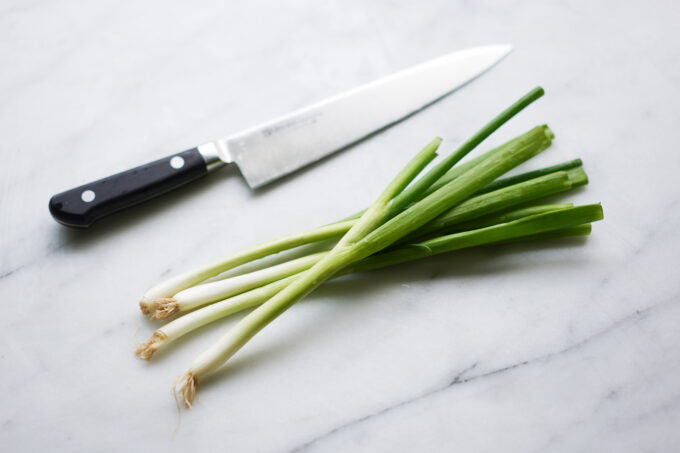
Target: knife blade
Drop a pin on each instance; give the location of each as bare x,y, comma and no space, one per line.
281,146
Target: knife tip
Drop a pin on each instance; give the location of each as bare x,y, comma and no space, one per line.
504,48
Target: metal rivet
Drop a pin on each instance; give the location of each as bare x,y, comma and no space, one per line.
177,162
87,196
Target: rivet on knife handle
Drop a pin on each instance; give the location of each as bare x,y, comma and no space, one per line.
84,205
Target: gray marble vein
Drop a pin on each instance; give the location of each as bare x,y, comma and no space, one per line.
465,376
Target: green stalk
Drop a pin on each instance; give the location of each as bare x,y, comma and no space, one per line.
504,182
380,209
539,223
578,230
507,216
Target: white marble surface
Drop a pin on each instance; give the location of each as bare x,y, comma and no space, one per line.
565,346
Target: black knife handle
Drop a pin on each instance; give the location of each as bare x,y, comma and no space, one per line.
82,206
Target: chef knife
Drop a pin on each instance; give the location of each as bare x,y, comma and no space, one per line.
283,145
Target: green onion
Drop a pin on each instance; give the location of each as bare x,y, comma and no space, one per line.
450,207
504,182
578,230
508,216
369,235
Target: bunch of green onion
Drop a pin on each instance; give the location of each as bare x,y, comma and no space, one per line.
450,207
